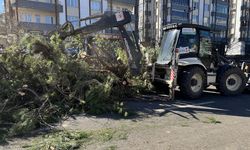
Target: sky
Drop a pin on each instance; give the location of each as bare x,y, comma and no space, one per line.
1,6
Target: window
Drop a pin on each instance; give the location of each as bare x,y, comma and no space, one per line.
207,8
181,2
118,8
38,19
188,42
222,34
124,9
49,20
206,21
72,3
205,44
49,1
148,13
178,15
74,20
195,19
222,8
96,5
221,21
26,18
196,5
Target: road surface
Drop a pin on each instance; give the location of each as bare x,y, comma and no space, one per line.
212,122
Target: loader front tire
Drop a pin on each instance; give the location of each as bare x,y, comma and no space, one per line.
192,82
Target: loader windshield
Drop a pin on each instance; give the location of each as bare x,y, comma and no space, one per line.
167,45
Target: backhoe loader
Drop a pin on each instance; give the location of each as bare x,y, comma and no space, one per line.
187,58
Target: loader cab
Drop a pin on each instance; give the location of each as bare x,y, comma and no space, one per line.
192,42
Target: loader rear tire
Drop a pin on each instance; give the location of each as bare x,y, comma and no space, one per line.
232,81
192,82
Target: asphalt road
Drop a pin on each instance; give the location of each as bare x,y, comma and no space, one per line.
212,122
210,102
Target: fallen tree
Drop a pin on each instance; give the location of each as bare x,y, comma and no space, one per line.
41,84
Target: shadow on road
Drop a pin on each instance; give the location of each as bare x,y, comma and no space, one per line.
211,102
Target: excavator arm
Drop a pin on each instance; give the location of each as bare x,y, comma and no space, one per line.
105,21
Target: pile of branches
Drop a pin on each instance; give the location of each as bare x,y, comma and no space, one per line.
41,84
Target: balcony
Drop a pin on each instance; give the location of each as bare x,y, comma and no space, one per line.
217,27
243,28
179,7
245,39
219,39
48,7
31,26
131,2
245,7
243,18
219,14
223,2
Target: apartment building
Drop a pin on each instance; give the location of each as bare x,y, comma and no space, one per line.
39,16
148,15
239,31
154,14
219,23
73,10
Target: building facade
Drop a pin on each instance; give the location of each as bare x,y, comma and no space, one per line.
220,23
39,16
73,10
239,32
43,16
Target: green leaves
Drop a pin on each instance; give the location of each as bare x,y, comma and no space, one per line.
40,84
62,140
